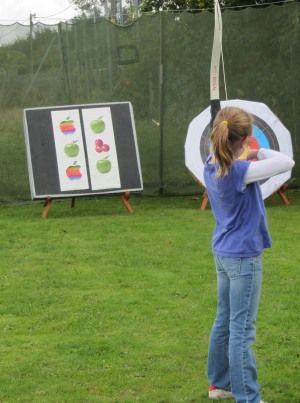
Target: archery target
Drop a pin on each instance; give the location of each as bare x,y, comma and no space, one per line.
268,132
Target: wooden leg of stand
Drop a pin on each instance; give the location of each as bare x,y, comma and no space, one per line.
205,201
72,203
46,207
125,198
282,195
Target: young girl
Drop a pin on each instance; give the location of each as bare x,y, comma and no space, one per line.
240,235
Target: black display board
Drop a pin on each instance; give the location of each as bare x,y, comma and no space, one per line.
80,150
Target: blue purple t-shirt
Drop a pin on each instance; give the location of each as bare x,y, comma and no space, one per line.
241,225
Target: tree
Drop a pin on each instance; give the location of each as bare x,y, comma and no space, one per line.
176,5
95,6
12,61
199,5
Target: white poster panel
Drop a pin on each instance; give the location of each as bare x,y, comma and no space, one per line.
69,147
101,148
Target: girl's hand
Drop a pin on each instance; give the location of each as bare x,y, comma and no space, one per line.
252,154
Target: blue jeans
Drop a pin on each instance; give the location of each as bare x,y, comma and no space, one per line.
231,361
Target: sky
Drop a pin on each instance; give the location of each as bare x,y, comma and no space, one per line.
46,11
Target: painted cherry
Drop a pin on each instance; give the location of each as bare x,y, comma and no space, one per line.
99,143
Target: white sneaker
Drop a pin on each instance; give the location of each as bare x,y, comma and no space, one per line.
218,394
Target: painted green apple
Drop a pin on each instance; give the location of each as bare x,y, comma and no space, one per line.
98,125
71,149
104,165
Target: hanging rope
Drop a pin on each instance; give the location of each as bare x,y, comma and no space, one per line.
215,104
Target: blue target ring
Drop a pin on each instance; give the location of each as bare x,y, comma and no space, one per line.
261,137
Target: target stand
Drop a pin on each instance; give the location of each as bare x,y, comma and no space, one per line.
281,193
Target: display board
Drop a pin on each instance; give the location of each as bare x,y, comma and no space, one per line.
79,150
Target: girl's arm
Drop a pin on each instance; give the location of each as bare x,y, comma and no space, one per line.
270,163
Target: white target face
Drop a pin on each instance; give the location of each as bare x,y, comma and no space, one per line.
268,131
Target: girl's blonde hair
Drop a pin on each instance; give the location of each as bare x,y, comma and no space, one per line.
231,126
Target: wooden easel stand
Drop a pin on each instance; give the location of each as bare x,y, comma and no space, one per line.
281,194
48,202
124,197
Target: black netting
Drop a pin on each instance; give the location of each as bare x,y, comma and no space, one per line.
161,65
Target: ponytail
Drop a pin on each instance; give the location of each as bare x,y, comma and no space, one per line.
231,126
221,148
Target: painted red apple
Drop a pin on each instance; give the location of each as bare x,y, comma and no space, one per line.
73,171
67,126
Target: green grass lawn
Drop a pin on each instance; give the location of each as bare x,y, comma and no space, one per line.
99,305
